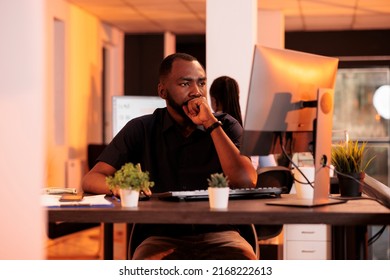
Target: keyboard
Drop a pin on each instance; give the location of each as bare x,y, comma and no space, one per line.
240,193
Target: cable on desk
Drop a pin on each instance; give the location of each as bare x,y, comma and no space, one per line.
354,198
376,236
296,166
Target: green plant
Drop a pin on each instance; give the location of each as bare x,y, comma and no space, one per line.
218,180
349,157
130,176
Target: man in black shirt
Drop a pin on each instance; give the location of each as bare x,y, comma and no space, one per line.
181,146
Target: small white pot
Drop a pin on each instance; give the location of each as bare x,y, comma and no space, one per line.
218,198
129,197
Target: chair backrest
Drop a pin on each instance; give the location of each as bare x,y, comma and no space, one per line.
135,238
273,176
250,234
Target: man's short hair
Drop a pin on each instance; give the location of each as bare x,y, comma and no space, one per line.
166,64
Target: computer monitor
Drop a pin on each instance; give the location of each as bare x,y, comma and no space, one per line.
280,81
290,101
127,107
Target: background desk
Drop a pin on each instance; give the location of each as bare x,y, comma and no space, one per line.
349,220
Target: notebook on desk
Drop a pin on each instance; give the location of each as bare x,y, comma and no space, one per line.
241,193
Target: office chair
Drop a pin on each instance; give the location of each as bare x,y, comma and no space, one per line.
137,236
273,176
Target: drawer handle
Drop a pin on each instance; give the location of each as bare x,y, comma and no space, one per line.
307,232
308,251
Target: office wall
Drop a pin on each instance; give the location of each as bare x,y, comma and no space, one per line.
194,44
143,55
77,119
341,43
22,125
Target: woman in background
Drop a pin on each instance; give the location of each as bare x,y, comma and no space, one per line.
225,97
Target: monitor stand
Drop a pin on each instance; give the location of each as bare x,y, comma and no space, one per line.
322,155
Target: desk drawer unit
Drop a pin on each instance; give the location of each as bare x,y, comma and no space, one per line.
305,242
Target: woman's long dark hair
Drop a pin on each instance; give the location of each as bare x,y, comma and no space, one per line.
226,92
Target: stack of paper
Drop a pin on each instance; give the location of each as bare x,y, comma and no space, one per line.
49,200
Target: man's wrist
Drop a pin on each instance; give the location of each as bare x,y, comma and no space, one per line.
209,122
213,126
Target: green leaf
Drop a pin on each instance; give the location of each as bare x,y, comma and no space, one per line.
218,180
350,157
130,176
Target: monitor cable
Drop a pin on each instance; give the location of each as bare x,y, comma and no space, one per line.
376,236
295,165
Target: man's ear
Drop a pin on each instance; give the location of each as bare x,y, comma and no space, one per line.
161,91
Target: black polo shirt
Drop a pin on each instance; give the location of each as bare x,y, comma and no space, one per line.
174,162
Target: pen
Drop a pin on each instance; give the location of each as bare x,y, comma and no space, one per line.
114,197
76,205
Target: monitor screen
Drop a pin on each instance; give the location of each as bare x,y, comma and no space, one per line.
281,80
127,107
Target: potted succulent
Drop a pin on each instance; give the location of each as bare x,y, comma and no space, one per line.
218,191
350,163
130,180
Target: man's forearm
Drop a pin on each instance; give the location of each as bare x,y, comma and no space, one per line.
236,167
95,183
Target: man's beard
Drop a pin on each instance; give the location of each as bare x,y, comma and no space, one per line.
178,108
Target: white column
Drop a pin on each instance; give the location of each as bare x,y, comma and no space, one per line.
22,128
231,33
233,27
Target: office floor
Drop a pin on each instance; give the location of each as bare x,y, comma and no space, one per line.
83,245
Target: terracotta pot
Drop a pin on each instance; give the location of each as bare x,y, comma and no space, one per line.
351,187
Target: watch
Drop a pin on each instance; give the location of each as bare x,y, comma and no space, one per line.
213,126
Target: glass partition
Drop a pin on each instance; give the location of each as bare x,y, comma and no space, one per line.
354,109
356,117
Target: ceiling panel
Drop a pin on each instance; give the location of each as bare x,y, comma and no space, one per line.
384,10
294,23
371,22
189,16
277,4
288,7
315,23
